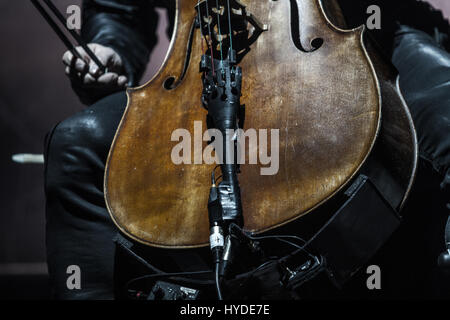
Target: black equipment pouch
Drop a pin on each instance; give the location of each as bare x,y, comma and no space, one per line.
356,231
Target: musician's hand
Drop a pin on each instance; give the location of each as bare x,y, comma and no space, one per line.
88,82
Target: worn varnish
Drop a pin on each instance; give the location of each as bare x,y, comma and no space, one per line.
326,104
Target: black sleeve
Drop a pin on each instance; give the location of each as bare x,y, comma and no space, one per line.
127,26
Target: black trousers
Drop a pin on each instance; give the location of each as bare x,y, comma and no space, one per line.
80,231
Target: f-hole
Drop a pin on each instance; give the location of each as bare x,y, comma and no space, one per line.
171,82
295,30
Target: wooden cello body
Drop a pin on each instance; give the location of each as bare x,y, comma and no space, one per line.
335,102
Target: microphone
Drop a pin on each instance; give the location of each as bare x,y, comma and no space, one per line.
222,84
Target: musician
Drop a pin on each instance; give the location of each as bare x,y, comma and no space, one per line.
122,34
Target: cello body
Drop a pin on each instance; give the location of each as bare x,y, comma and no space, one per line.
324,88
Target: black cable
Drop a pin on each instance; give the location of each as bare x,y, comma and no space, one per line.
166,275
298,247
219,291
140,259
279,238
266,263
275,236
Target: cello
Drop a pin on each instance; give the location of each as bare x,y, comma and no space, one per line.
335,101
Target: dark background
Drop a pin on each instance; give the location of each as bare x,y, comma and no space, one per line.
34,96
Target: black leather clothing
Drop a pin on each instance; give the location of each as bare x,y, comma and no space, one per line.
79,229
127,26
426,88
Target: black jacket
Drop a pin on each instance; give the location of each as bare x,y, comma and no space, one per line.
129,26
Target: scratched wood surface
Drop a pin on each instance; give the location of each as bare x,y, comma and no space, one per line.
325,103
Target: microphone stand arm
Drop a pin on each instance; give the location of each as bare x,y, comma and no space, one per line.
221,96
222,81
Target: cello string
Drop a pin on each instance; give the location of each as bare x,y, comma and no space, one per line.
229,25
220,33
210,38
201,27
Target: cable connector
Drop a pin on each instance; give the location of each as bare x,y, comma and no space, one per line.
216,238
